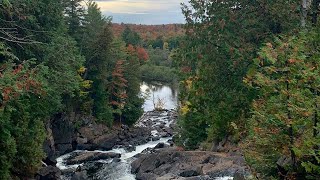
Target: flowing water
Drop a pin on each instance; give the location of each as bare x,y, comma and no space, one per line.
121,170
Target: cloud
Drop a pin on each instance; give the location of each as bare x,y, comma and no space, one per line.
143,11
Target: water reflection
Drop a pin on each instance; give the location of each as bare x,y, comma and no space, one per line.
153,92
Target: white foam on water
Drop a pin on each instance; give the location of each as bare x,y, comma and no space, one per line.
224,178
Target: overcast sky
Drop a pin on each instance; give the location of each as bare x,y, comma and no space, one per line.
143,11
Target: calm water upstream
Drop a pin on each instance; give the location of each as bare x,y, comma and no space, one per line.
154,92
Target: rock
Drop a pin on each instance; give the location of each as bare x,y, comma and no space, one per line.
146,176
62,130
92,168
116,160
167,176
64,148
80,140
239,176
91,156
155,138
164,134
130,148
89,147
51,161
191,172
48,173
159,145
105,142
81,175
188,165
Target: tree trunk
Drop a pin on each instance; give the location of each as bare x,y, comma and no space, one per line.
315,118
291,133
315,9
304,13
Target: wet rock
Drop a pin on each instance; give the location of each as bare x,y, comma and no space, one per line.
159,145
92,168
48,173
80,175
91,156
116,160
156,138
130,148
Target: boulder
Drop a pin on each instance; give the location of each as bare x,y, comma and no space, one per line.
193,171
188,165
159,146
105,142
64,148
80,175
91,156
48,173
146,176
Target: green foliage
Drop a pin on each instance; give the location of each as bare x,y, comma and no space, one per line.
283,113
22,132
157,73
213,58
131,37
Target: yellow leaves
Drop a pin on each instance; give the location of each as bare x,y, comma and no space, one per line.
185,108
86,84
190,81
234,126
82,70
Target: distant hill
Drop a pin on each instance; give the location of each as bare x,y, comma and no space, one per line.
151,32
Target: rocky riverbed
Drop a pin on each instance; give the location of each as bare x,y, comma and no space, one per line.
108,156
145,152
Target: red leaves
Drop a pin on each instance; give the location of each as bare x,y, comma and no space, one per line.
19,80
142,54
118,84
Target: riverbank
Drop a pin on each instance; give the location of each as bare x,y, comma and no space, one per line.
145,152
117,150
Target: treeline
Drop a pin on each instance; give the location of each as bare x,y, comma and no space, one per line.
250,72
59,57
163,37
158,64
151,32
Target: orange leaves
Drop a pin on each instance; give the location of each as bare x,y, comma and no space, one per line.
131,49
118,85
142,54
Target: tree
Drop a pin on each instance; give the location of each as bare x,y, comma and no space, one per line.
284,111
74,15
131,37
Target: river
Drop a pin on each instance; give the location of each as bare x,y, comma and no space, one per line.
121,170
154,92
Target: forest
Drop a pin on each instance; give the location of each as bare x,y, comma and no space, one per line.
248,73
